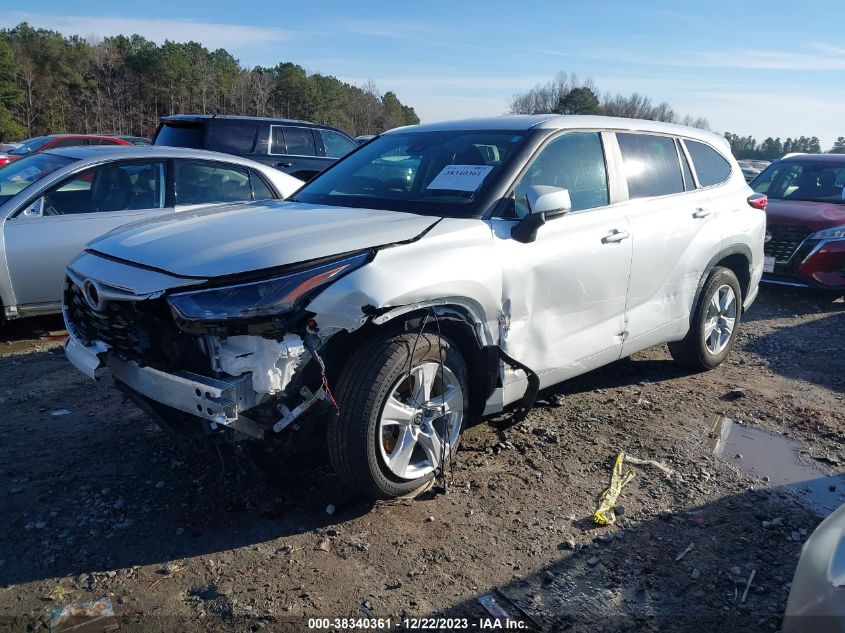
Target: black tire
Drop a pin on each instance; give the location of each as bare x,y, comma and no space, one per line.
362,390
691,351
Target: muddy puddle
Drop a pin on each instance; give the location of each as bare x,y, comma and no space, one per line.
774,460
36,342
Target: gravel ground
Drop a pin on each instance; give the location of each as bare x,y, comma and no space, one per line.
97,502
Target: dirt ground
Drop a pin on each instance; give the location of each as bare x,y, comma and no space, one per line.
97,502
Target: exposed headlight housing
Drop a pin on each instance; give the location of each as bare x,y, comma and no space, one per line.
833,233
267,297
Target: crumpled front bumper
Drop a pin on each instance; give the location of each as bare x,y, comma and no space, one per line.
216,400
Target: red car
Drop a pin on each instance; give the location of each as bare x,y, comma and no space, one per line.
52,141
805,225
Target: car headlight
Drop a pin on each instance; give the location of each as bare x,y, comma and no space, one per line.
261,298
833,233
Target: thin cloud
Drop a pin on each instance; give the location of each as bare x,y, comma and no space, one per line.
210,34
831,58
383,28
467,83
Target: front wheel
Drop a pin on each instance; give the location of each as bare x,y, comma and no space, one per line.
714,323
402,401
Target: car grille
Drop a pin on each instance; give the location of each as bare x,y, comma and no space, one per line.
785,241
141,330
119,324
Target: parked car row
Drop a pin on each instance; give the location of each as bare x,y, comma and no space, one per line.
58,192
751,168
56,141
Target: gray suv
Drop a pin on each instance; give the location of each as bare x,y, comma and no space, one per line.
438,273
298,148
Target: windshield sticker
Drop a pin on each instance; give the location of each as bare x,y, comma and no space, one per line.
460,177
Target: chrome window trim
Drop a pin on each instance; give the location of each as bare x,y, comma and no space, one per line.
682,156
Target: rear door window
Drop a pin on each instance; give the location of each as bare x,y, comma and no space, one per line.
199,182
651,165
299,141
180,135
336,144
260,190
711,167
231,137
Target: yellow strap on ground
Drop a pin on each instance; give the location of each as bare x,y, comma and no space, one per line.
605,515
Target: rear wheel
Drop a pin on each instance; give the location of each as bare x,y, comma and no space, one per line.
402,402
714,324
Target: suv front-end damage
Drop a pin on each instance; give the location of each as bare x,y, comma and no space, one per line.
242,355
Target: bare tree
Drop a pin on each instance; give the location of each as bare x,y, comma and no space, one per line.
551,96
27,74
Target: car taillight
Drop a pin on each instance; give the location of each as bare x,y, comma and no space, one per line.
758,201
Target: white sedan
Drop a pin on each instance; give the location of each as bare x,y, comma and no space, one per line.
53,203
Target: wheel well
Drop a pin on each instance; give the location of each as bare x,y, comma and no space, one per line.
739,264
482,361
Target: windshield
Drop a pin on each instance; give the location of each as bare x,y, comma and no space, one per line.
435,173
30,145
15,177
814,182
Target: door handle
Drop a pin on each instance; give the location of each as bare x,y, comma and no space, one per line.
701,212
284,164
615,236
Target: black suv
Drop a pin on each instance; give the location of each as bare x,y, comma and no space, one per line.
298,148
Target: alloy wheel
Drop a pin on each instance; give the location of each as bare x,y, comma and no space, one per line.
421,420
720,320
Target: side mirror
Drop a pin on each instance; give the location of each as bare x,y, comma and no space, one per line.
542,199
35,210
546,199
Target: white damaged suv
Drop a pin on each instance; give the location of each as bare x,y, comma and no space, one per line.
438,273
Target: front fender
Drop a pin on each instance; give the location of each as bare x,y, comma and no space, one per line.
454,264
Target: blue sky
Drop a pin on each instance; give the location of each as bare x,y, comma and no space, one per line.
762,68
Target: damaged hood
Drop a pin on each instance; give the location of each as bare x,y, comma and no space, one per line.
241,238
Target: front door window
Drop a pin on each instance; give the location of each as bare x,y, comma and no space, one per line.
113,187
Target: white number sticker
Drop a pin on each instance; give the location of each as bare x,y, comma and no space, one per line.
460,177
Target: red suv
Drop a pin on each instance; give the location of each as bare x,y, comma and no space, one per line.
805,227
53,141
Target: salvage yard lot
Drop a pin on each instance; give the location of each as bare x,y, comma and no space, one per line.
96,501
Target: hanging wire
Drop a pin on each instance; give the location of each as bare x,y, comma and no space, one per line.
447,436
448,418
411,358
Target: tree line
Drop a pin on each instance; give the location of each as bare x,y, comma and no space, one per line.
567,94
51,83
774,148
